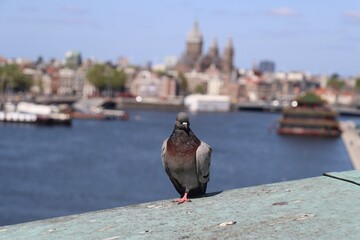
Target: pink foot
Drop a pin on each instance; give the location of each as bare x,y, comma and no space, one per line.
183,199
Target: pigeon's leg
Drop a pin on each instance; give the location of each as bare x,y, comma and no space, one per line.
183,199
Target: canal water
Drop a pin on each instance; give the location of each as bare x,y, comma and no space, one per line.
54,171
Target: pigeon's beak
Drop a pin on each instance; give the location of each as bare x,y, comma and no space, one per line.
185,125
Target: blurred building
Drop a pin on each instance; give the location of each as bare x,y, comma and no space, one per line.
145,84
194,59
167,87
148,84
123,62
36,77
46,84
73,59
53,73
170,62
71,82
267,67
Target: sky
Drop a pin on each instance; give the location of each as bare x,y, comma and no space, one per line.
317,36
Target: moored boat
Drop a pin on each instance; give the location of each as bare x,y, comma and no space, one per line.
309,115
25,112
207,103
99,109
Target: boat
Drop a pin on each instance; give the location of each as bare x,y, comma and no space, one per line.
207,103
99,109
27,112
309,115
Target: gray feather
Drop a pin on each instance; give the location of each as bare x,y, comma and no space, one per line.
163,151
203,159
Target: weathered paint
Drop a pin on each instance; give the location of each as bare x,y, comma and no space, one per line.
349,176
325,207
351,140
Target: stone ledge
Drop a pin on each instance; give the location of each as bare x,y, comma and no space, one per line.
324,207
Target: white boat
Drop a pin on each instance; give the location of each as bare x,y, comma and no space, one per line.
207,103
25,112
17,117
98,108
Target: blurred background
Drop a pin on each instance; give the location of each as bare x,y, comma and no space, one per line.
89,91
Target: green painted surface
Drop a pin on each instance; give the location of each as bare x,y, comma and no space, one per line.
350,176
315,208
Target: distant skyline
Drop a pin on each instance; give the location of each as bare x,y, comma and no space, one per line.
319,36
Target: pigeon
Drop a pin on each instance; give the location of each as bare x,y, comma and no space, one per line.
186,160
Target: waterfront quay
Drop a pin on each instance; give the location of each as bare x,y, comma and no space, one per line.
351,139
314,208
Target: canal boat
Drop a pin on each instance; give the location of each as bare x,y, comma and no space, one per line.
207,103
309,115
99,109
26,112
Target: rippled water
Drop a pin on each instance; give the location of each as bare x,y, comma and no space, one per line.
54,171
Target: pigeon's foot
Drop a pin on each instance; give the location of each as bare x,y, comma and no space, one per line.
183,199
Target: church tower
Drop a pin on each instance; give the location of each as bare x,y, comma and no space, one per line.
194,42
214,51
228,62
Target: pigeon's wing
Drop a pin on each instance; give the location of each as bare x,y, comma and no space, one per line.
180,189
203,159
163,151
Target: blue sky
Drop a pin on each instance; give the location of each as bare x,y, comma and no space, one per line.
319,36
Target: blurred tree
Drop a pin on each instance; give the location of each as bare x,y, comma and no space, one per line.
357,85
160,72
12,77
200,89
106,78
310,98
183,84
96,76
336,83
118,80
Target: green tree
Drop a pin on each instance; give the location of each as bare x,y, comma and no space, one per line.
335,82
11,77
183,84
118,80
106,78
357,85
310,98
200,89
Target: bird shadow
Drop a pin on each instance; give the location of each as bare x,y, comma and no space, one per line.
213,194
206,195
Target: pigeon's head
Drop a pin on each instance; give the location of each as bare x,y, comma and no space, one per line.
182,121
